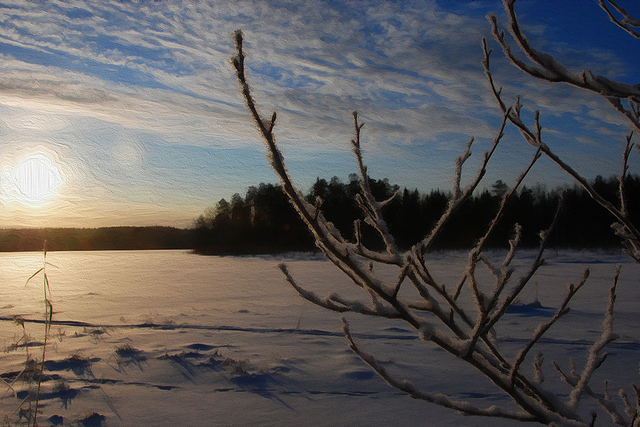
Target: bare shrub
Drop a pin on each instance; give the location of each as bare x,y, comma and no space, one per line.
469,335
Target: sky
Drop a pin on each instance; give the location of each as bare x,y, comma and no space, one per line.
128,112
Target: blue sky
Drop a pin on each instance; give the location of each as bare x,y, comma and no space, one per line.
136,104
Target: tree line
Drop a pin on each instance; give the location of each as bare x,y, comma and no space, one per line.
263,221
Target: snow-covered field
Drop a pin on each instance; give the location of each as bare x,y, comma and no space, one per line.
169,338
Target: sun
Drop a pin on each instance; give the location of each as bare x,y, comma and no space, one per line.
37,179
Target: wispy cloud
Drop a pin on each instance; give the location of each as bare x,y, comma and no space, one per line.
110,86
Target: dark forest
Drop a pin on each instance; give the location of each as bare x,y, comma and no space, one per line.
264,222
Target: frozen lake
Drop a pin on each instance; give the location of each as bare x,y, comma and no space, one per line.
226,341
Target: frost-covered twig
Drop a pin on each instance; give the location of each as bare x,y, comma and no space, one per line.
434,313
486,303
627,22
537,262
632,413
595,359
336,302
629,231
328,239
580,382
459,195
370,206
548,68
544,327
628,146
439,398
607,404
474,254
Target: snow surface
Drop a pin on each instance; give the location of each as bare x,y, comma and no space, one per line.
169,338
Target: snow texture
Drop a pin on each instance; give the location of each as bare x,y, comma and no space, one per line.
171,338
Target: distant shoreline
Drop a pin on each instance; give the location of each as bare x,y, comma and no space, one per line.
160,238
124,238
89,239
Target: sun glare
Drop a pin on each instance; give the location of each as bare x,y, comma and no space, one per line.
37,179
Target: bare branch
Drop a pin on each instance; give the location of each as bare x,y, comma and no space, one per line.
542,328
533,138
474,253
535,265
370,207
328,238
629,410
434,312
623,174
336,302
460,196
437,398
626,23
595,360
547,68
609,406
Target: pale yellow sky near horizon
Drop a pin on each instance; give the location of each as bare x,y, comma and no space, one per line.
119,113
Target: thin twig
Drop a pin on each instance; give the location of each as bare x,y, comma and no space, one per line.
439,398
543,328
595,360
